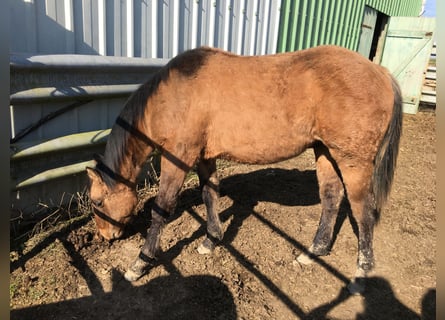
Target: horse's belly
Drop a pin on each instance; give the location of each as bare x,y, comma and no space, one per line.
259,150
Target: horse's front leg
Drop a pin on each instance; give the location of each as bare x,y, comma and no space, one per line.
170,184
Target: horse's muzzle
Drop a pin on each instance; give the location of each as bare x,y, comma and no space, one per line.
110,234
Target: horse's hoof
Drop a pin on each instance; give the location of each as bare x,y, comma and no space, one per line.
206,247
137,269
356,286
131,276
305,259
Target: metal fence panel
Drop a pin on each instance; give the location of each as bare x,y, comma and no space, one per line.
143,28
54,133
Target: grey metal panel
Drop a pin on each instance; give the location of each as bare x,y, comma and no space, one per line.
250,27
90,18
236,24
113,47
185,25
95,115
86,39
143,28
204,23
140,28
263,26
25,12
274,21
49,176
166,9
220,22
69,77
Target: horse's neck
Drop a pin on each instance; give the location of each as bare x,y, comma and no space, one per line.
133,160
130,142
126,165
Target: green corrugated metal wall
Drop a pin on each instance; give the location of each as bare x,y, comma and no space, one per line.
308,23
408,8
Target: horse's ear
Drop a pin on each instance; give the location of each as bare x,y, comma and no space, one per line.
93,175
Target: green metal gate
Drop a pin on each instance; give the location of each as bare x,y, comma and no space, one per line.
407,48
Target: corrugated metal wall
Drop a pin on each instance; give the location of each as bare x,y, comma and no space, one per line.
162,28
308,23
61,112
397,8
144,28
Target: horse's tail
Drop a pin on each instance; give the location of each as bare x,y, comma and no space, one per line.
386,158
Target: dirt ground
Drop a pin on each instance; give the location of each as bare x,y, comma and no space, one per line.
269,214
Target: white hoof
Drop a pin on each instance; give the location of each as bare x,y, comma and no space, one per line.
304,259
202,249
356,286
206,247
131,276
137,269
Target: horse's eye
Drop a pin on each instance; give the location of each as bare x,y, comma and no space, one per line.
98,203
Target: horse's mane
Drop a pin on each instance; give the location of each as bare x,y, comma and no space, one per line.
187,65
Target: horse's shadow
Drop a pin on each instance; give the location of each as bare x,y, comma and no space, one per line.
276,185
288,187
281,186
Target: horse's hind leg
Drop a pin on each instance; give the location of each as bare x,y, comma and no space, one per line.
172,178
357,180
331,194
209,184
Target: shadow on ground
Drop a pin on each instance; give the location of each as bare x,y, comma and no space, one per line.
170,297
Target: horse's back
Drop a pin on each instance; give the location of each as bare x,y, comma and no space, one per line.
263,109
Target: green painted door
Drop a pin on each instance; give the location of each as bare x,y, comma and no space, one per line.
406,52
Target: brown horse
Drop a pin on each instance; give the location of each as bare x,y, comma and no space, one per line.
207,104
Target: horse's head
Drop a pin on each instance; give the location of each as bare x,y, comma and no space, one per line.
113,207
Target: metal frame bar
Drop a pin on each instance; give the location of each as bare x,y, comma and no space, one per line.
51,78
